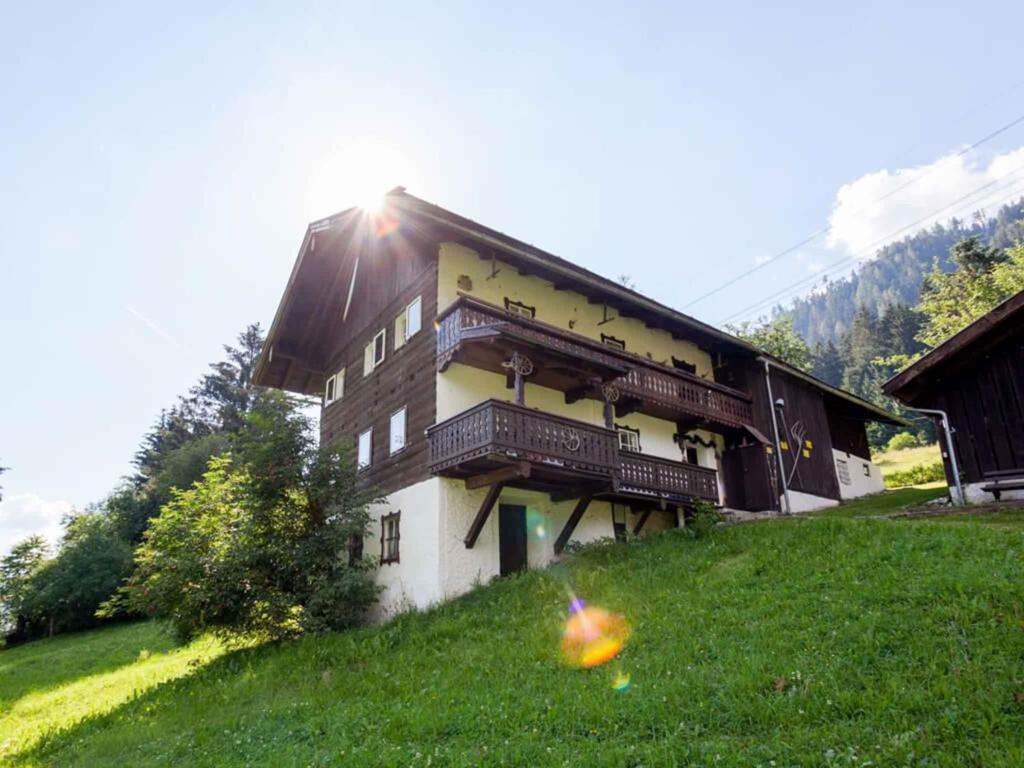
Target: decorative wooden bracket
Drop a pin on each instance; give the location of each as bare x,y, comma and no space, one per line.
482,514
571,523
640,523
516,471
519,367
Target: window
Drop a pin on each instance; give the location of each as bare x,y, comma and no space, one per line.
409,322
397,431
518,308
629,439
335,387
365,453
867,470
691,454
390,535
843,470
373,355
611,341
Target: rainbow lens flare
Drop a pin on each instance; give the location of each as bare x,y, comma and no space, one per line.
592,636
620,682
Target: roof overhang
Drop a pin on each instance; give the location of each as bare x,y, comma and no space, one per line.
958,350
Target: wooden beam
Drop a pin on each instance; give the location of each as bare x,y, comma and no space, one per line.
482,514
577,393
640,523
571,523
515,471
626,406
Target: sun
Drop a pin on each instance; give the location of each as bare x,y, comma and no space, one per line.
358,173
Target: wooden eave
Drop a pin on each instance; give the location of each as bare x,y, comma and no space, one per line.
958,350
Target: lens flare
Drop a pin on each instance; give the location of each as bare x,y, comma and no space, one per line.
536,524
620,683
592,636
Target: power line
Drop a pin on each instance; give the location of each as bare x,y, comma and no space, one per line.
825,230
845,261
838,266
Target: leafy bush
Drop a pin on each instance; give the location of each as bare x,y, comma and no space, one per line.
902,441
916,475
259,545
703,519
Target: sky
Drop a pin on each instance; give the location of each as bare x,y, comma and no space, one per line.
159,168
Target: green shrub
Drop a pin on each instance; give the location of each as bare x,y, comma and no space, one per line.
705,516
916,475
902,441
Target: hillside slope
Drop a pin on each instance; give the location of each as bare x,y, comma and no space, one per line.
894,275
807,642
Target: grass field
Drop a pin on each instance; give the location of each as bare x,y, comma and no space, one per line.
824,641
898,461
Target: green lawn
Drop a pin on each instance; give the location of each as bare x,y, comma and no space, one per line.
886,503
897,461
821,641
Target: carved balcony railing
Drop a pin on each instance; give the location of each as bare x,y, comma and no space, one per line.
654,476
561,452
513,432
566,359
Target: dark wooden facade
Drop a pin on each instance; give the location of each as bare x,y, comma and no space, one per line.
977,378
356,273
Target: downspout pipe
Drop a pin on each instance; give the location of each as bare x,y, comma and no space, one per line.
775,430
947,430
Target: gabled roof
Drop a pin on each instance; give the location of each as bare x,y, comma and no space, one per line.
960,348
564,275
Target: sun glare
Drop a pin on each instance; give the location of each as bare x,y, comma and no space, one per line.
358,173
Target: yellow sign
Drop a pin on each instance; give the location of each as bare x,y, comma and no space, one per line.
807,454
808,444
783,445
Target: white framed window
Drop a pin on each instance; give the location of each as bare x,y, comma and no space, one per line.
397,431
390,536
614,343
629,439
843,470
365,449
334,390
373,354
409,322
518,308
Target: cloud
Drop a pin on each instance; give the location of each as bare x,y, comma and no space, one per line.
24,514
887,205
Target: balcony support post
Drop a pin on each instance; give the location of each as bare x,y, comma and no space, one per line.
571,523
482,514
640,523
519,367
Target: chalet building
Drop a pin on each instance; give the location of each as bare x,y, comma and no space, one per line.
508,401
976,378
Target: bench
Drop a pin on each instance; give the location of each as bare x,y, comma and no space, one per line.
1005,480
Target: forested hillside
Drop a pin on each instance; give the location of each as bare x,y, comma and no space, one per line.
895,275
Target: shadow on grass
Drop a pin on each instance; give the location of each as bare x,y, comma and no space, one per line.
49,663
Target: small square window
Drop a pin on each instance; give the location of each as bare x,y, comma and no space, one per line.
365,452
867,470
629,439
843,470
614,343
390,536
691,454
335,387
397,441
409,322
518,308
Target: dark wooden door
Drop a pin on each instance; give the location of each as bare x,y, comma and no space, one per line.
511,538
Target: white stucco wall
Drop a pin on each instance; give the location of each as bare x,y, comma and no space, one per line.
975,495
861,484
564,309
806,502
414,581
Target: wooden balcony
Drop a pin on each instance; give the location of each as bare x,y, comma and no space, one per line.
500,441
485,336
653,476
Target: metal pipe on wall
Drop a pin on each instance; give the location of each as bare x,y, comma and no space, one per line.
775,429
947,430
